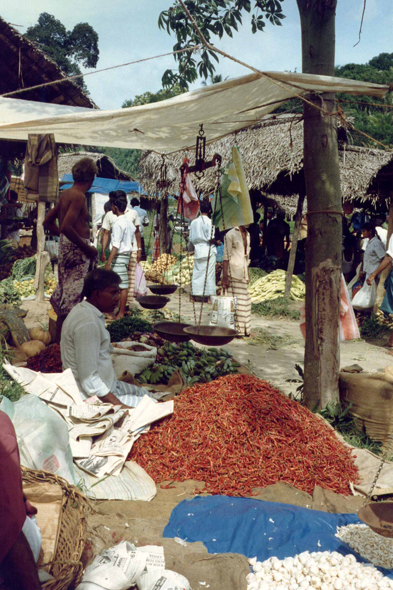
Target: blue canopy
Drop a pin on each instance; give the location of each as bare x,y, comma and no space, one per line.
105,185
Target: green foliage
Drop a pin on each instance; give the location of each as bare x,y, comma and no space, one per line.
215,19
8,387
8,294
6,252
24,267
66,48
124,328
149,97
263,337
372,327
342,421
376,121
276,308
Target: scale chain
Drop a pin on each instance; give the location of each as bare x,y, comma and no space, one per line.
383,461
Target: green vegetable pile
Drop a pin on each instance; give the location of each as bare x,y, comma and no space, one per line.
124,328
24,268
8,293
198,365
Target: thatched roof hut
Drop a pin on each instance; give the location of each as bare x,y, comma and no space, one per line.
107,168
272,154
24,64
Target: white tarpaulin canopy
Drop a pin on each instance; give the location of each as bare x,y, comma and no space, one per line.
172,124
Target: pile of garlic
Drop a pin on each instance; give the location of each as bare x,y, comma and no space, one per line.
363,540
322,571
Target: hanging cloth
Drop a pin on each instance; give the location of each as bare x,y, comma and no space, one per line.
236,203
188,203
41,176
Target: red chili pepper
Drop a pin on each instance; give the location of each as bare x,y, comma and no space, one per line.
238,433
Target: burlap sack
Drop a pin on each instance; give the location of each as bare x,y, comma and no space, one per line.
372,397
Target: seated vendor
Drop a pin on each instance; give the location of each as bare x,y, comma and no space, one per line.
86,346
20,537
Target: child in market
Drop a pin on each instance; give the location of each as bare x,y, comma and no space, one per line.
122,238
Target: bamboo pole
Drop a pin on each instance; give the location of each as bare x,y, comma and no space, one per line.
43,257
295,239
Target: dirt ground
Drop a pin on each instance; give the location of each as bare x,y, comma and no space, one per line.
143,522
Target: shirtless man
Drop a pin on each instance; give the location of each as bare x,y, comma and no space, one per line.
76,254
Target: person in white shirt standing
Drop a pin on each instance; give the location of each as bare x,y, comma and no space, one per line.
123,232
202,238
143,222
136,251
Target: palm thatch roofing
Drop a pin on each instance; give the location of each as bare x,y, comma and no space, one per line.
107,168
24,64
272,154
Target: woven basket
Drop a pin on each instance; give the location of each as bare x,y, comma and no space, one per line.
66,567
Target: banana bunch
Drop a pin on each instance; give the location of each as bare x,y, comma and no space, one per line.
272,286
146,265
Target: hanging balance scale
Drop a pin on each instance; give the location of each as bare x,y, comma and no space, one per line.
157,300
378,515
172,331
206,334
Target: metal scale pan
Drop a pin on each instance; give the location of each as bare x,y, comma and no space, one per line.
379,517
172,331
211,335
153,301
162,289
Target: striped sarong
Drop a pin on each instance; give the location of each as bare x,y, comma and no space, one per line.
199,277
130,395
239,289
120,267
131,276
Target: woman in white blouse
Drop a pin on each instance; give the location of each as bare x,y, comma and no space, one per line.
387,303
374,252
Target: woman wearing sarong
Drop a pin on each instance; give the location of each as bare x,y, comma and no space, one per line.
235,276
387,303
201,237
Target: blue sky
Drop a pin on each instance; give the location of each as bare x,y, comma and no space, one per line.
128,31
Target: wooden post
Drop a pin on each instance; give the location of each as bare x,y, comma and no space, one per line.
163,230
265,207
384,274
295,238
93,216
43,257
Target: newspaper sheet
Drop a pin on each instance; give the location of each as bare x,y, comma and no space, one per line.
146,412
118,568
108,454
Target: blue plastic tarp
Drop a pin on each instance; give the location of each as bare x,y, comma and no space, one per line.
105,185
257,528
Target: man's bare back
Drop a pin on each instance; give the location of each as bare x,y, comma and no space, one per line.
73,218
71,198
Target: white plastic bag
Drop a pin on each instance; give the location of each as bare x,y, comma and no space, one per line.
365,297
42,436
223,312
140,281
166,580
133,357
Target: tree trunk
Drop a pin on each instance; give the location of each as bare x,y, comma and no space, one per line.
324,239
295,239
163,231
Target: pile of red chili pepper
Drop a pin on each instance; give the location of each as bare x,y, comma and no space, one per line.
48,361
238,433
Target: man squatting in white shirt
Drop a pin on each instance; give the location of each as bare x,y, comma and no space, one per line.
85,342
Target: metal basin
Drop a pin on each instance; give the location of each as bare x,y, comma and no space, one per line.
211,335
152,301
162,289
172,331
379,517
